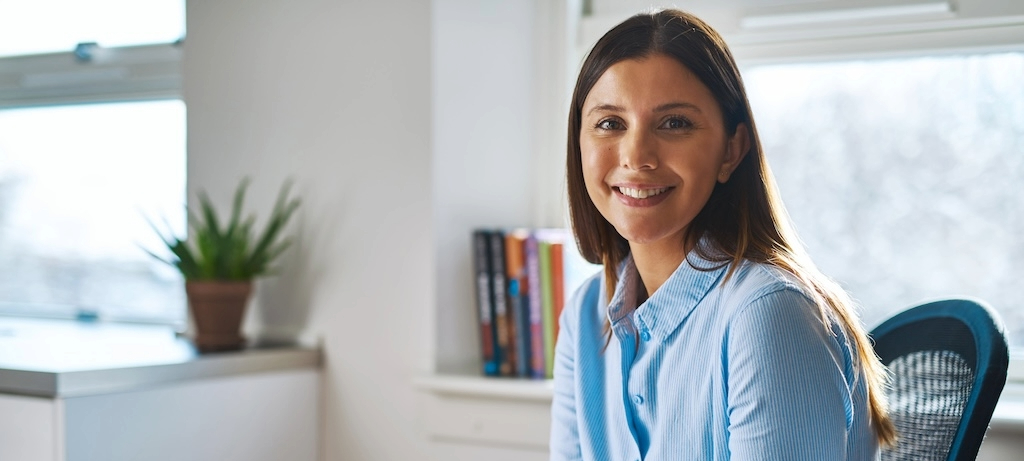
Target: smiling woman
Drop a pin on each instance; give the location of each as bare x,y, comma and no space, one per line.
711,335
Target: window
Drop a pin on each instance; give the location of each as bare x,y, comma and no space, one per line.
49,26
902,176
92,144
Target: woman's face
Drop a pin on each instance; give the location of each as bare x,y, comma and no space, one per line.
653,145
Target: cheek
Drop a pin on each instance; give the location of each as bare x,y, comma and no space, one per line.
703,178
705,168
595,158
593,161
590,160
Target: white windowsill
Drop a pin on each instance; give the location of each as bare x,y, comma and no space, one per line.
63,358
1009,412
534,390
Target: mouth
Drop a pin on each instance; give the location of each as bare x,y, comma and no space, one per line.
640,193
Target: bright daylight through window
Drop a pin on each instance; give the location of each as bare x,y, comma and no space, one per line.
89,149
903,176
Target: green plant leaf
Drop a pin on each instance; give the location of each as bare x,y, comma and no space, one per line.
236,206
211,252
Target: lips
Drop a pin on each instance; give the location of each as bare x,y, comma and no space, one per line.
641,193
641,196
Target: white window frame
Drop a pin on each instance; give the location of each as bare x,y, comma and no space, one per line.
116,74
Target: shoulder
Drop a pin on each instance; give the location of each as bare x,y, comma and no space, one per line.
765,306
771,312
758,286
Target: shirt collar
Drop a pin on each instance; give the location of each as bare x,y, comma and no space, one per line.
663,312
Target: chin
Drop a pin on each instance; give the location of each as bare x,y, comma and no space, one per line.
641,235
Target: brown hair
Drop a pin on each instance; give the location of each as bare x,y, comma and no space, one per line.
744,218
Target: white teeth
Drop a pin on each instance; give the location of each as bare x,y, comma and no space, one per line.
641,193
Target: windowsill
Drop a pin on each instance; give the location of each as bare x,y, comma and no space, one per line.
60,358
1008,416
534,390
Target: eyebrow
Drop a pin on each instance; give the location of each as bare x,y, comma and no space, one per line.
605,108
661,108
677,105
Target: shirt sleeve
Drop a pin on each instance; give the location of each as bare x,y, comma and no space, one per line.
788,397
565,437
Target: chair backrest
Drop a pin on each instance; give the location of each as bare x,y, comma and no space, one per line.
948,361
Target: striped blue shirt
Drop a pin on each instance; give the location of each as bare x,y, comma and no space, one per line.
706,369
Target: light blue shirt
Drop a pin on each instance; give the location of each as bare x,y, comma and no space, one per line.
706,370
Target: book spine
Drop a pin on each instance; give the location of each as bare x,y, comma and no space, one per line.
557,285
547,307
537,365
501,317
518,299
520,332
484,293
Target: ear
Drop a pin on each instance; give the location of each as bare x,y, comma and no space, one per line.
736,148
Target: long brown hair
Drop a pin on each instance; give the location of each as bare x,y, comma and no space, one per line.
744,218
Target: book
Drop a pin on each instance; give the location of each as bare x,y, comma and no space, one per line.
484,293
502,349
536,318
557,287
518,299
523,277
544,240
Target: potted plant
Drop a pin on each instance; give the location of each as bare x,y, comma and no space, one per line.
219,264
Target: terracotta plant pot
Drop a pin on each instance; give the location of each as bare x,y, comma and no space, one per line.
218,308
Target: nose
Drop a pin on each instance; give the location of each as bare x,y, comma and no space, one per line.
638,151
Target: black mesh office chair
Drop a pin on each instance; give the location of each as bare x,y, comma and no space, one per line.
948,361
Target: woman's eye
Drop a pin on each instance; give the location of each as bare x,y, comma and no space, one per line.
609,124
676,123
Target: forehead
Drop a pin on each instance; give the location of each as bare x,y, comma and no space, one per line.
649,81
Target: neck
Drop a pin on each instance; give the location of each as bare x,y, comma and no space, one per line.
655,262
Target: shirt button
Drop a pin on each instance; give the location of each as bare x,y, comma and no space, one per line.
638,399
645,335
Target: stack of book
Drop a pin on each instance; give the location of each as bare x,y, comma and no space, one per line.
523,277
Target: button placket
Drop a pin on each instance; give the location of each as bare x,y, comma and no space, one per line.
643,331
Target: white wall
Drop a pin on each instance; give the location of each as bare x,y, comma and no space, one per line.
482,118
336,94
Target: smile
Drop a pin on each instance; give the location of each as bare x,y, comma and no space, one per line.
641,193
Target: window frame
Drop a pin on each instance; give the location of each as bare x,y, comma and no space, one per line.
115,74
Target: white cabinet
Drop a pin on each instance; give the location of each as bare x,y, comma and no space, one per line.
258,417
265,416
252,405
29,428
